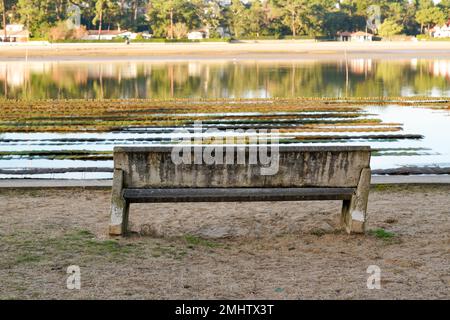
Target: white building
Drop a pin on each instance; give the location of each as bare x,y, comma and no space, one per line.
441,31
198,34
14,33
109,35
146,35
195,35
358,36
361,36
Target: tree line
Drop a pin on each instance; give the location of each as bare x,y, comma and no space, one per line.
236,18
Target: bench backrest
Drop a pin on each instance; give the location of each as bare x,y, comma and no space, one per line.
298,166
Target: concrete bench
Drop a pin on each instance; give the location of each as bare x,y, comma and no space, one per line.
149,175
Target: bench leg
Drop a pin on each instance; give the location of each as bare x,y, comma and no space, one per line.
119,207
354,211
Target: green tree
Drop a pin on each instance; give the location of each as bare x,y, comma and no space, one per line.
444,5
429,16
272,18
356,13
256,18
306,16
180,30
237,17
3,10
409,20
425,4
316,16
104,8
163,14
293,14
99,9
241,17
390,28
35,15
395,12
336,21
210,14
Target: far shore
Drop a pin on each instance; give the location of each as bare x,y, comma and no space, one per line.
245,50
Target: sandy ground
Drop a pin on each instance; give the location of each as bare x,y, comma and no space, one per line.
281,49
224,250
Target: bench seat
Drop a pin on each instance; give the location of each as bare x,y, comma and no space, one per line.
154,174
236,194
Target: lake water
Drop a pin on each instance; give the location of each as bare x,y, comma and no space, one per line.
231,79
224,79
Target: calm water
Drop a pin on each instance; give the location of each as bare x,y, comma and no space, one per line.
227,79
232,79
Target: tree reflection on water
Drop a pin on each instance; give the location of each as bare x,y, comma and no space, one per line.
224,79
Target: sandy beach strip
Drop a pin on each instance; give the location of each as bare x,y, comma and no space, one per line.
272,50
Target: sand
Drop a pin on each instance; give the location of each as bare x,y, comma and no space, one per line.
284,250
268,50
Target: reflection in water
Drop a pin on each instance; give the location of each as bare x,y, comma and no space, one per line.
361,66
441,68
224,79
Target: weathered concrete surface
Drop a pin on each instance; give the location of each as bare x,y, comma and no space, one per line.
354,211
139,168
107,183
119,206
147,167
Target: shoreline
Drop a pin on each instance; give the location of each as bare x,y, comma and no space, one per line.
248,50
